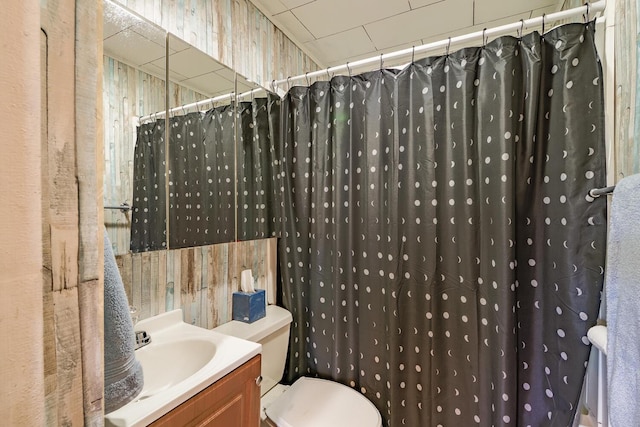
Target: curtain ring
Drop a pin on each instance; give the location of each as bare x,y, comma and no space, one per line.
484,37
273,85
184,111
448,46
306,75
586,14
543,16
348,69
381,62
413,54
288,83
328,75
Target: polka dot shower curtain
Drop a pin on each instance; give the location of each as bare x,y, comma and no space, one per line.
201,189
440,252
149,215
259,179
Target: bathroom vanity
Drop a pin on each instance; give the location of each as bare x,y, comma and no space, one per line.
232,401
193,376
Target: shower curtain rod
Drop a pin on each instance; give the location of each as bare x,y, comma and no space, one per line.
520,26
198,104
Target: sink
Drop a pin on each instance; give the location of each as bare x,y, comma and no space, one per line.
159,363
180,361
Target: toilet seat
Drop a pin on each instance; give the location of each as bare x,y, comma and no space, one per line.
313,402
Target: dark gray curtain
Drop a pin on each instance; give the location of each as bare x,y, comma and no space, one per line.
149,215
201,187
201,178
440,253
259,172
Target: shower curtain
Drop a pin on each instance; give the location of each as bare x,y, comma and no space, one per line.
259,173
201,184
440,252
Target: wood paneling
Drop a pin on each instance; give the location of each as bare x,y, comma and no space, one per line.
627,126
71,213
198,280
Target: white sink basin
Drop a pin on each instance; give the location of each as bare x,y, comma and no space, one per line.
180,361
159,363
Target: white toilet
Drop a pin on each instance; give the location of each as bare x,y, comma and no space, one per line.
309,402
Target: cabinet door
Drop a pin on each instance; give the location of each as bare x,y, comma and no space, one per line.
233,401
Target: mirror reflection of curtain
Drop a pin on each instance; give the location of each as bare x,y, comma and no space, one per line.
148,218
201,179
259,172
440,253
201,182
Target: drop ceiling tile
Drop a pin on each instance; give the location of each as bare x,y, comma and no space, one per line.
209,84
131,48
421,3
290,4
486,10
289,21
192,63
325,17
270,7
421,23
343,45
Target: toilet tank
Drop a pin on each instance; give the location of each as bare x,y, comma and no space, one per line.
272,331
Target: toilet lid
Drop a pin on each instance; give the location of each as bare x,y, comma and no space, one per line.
312,402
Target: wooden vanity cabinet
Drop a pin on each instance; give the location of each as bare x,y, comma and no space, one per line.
233,401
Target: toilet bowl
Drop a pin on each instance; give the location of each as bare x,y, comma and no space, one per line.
308,402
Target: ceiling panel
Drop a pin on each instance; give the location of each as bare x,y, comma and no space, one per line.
343,45
327,17
487,10
420,23
334,31
295,26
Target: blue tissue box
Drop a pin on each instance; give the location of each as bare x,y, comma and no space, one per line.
249,307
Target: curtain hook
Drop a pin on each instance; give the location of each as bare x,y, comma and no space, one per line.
448,46
521,29
288,83
381,62
273,85
413,54
586,15
348,69
306,75
184,111
543,16
484,37
328,74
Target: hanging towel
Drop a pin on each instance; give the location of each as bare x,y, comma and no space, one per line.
123,378
623,304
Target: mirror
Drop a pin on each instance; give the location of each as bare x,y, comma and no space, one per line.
174,211
202,204
258,173
133,86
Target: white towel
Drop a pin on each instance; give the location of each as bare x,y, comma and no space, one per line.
623,304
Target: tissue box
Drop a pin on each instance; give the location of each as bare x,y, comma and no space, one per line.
249,307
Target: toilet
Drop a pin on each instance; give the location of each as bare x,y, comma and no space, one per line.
308,402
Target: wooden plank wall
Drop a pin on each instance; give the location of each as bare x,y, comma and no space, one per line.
198,280
627,74
71,213
230,31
